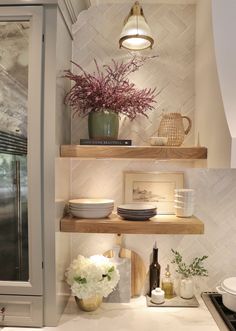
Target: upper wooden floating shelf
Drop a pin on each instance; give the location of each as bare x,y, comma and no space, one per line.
134,152
160,224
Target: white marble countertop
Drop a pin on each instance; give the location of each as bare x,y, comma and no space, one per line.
134,316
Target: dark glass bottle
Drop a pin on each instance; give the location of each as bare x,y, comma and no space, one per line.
154,271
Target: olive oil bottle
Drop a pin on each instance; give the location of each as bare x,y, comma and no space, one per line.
167,284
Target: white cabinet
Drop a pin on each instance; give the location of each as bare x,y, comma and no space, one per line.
30,19
21,203
46,125
21,310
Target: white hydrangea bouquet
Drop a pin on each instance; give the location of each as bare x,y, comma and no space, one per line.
95,275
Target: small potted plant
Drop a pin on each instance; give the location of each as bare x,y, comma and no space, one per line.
91,279
107,93
186,271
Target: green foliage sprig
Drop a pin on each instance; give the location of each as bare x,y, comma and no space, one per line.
196,268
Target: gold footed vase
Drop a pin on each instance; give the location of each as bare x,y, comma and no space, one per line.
89,304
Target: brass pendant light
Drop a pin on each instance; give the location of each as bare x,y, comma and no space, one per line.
136,34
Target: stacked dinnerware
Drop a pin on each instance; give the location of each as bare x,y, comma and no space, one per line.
136,211
91,208
184,202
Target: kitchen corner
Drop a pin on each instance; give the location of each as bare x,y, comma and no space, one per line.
115,164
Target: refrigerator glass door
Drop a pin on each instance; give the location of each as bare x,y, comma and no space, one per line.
21,54
13,218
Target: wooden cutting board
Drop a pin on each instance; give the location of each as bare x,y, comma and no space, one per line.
138,270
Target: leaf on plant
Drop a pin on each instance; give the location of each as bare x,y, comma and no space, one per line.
80,280
194,269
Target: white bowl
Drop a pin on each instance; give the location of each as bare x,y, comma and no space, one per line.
186,196
99,210
184,208
184,204
184,191
184,199
91,202
88,207
183,212
91,213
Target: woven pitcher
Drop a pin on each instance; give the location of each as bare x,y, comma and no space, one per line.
172,127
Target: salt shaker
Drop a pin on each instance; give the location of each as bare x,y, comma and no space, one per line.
158,295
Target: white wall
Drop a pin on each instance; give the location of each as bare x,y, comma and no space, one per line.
224,24
62,240
210,122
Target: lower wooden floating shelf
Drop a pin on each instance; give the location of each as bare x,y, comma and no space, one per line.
160,224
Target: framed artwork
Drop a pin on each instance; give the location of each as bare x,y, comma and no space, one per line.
156,188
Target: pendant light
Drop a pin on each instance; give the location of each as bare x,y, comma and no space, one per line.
136,34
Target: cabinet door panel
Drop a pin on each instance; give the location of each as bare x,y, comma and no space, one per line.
21,47
20,311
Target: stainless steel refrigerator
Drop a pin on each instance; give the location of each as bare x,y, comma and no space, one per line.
13,208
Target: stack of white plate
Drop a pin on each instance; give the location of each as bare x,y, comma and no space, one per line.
91,208
184,202
136,211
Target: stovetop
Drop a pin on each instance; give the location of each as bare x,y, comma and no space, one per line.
224,318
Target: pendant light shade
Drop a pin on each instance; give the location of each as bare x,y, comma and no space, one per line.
136,34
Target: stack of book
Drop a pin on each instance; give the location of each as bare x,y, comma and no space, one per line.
117,142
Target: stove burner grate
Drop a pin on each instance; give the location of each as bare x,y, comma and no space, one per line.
228,316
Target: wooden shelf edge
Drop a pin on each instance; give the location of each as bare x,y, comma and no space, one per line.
160,224
134,152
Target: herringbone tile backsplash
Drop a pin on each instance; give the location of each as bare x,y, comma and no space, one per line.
215,206
96,36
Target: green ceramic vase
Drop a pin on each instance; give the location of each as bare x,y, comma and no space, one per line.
103,125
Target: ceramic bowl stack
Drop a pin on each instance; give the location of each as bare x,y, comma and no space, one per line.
136,211
184,202
91,208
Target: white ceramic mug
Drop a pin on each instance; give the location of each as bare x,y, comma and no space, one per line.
185,199
185,191
184,212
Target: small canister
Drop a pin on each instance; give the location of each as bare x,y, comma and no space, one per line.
158,296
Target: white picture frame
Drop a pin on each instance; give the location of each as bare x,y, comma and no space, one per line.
156,188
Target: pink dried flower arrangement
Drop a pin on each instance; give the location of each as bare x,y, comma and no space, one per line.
109,89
